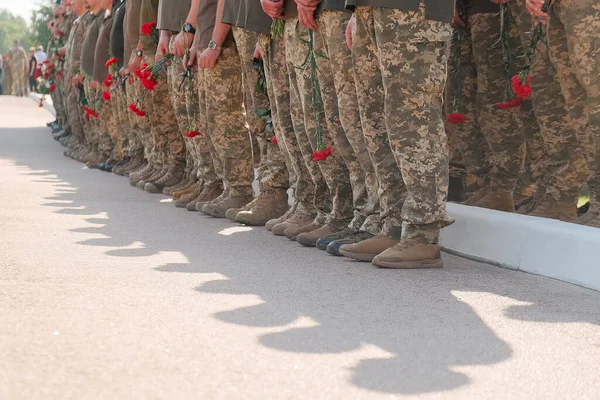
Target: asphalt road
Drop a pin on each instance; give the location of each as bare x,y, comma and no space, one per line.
108,292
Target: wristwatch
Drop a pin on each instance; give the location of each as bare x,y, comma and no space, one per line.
139,53
213,45
188,28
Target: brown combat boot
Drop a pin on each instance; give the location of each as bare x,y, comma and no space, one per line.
172,177
219,210
270,204
232,212
309,239
210,193
297,220
205,207
501,200
293,232
272,222
368,249
550,208
185,198
410,254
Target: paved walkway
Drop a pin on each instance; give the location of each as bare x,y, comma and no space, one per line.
107,292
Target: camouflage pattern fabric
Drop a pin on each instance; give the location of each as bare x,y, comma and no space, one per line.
333,170
223,107
341,108
371,100
580,21
564,165
19,71
413,61
272,167
274,57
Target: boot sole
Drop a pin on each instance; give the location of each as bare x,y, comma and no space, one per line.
358,256
425,264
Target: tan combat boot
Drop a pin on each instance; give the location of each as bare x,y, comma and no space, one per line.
501,200
232,212
368,249
219,210
271,203
293,232
410,254
186,197
309,239
209,194
297,220
272,222
208,207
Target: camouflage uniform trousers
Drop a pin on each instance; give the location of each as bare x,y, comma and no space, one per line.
169,142
563,162
273,171
336,72
179,97
578,21
221,96
115,125
75,115
98,133
207,163
135,134
20,77
333,170
412,58
278,86
503,130
371,103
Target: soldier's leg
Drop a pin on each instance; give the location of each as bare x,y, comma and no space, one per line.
466,139
581,22
501,128
274,54
333,169
273,176
314,204
562,161
336,71
169,141
412,57
229,136
385,232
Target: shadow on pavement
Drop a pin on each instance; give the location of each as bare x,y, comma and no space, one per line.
417,317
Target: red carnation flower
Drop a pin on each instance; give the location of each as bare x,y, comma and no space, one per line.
136,110
46,75
147,28
322,155
59,32
520,89
149,84
50,66
108,81
106,96
192,134
457,118
274,140
111,62
52,88
512,103
37,74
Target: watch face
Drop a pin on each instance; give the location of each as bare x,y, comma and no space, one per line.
212,45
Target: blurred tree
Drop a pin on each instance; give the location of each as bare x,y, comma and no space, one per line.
40,35
12,28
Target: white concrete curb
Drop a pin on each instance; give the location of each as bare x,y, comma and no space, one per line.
564,251
47,103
